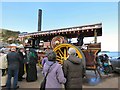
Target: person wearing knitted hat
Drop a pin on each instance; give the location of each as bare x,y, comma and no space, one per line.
55,77
72,68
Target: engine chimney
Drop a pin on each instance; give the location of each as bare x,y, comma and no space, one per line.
39,19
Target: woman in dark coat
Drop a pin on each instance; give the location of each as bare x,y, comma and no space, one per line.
72,68
21,64
31,69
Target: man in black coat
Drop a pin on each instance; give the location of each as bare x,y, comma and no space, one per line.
72,68
13,68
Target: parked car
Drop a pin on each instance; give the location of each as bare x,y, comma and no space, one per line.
115,64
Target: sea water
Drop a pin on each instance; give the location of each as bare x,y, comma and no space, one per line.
111,54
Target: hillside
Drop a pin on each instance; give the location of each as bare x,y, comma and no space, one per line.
8,35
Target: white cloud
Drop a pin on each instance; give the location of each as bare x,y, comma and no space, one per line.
109,42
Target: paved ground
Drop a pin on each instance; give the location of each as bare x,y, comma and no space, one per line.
91,81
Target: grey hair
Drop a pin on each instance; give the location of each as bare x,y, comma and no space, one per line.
72,51
51,55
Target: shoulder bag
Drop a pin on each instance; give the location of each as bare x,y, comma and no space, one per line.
43,83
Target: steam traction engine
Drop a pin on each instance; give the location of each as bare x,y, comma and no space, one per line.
60,40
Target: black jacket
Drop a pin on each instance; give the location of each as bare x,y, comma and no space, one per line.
13,59
22,57
72,69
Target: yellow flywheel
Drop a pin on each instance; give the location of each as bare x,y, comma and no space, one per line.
62,52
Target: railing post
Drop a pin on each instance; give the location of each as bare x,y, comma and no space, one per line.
95,36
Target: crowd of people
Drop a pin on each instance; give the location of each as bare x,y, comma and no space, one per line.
12,65
68,75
